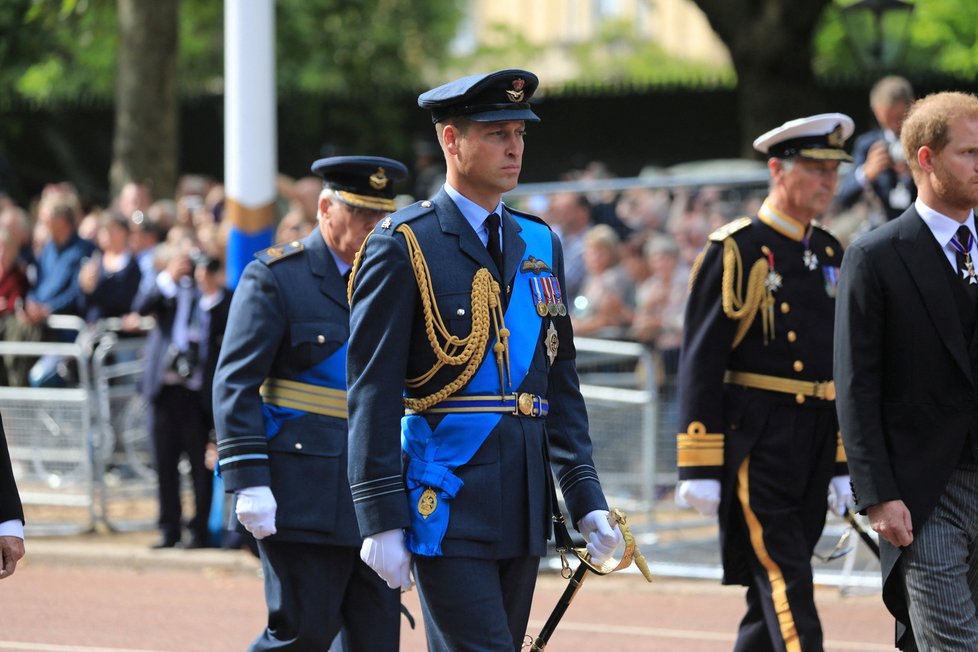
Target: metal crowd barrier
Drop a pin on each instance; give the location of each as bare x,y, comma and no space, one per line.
64,441
635,454
630,412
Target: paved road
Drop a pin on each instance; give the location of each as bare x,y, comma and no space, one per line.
88,596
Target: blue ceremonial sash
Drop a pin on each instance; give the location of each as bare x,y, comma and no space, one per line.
331,373
435,455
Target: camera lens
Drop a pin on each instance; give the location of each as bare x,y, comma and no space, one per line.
896,152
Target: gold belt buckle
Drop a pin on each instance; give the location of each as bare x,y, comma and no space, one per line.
524,404
825,390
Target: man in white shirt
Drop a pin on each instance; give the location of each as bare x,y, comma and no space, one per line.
906,369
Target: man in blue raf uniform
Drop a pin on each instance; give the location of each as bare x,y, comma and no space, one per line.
466,330
756,393
280,411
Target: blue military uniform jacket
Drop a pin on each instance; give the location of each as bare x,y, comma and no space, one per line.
502,508
288,317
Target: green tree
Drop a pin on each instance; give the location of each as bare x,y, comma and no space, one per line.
362,52
941,36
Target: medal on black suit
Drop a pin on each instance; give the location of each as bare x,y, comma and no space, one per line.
809,257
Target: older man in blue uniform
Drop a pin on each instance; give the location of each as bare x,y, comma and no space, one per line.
756,388
281,416
463,388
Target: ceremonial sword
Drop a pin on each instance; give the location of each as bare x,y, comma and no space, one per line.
863,533
631,553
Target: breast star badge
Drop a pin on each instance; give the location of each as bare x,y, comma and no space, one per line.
551,342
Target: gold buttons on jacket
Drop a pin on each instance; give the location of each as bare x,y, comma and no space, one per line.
792,336
798,366
799,398
785,308
321,339
298,446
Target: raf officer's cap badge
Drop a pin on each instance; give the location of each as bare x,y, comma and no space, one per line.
362,181
378,180
493,97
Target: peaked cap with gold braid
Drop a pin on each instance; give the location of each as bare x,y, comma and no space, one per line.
362,181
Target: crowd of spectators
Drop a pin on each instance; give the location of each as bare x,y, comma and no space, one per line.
627,255
61,255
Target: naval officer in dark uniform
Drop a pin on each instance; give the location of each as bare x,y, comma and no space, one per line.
280,412
756,393
466,330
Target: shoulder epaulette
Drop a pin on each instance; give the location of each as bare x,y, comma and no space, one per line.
825,230
278,252
528,216
390,223
729,229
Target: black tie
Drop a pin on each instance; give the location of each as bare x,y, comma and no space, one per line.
346,282
492,225
966,268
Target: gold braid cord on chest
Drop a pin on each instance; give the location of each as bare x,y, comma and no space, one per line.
450,350
743,306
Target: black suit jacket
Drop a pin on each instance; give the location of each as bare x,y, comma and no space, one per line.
10,506
164,310
905,389
215,340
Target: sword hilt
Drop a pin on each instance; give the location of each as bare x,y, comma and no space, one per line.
630,554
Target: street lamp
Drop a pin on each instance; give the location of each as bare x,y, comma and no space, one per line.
877,31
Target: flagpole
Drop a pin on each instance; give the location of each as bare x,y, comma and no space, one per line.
250,139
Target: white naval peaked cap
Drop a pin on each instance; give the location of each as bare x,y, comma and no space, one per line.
819,136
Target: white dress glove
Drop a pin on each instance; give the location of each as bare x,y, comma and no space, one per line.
386,553
255,509
840,494
601,538
701,495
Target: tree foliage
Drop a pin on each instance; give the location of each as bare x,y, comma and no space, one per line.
337,46
66,49
941,36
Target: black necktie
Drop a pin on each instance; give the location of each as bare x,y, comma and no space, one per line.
346,283
492,225
966,267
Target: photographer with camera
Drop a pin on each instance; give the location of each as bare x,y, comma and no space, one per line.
190,305
879,171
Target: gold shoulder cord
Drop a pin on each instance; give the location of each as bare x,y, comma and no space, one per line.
469,350
744,308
